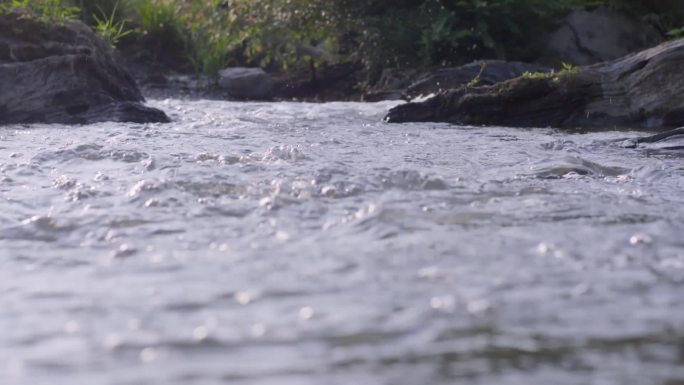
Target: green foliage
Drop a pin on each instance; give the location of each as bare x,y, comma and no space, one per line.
109,29
676,33
159,33
90,9
665,15
566,69
291,34
451,32
157,18
53,11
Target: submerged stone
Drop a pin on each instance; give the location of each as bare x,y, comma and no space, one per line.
65,74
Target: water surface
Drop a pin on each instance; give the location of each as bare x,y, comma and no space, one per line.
279,243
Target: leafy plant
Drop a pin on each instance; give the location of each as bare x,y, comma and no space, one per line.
159,34
109,29
676,33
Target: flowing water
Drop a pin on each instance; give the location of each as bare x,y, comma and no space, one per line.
282,243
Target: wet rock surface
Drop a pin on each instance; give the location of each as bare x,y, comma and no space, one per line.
64,74
639,90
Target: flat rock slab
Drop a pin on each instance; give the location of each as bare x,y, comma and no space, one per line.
63,74
639,90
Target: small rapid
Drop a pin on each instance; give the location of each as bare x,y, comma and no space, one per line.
295,243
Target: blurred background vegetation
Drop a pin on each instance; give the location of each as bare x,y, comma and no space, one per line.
284,35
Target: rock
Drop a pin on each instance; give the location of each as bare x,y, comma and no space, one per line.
406,84
379,96
663,137
328,83
246,83
391,85
63,74
639,90
481,73
588,37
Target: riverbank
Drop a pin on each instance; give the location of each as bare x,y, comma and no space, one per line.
309,47
161,62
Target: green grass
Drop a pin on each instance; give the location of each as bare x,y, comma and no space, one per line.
108,28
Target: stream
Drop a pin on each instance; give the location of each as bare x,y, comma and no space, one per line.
308,244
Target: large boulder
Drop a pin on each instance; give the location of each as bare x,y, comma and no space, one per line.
246,83
63,74
640,90
588,37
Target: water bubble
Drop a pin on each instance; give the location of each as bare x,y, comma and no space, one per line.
638,239
478,306
443,303
125,250
580,290
200,333
258,330
430,272
306,313
543,248
242,297
148,355
133,324
112,341
282,236
72,327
